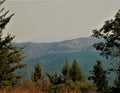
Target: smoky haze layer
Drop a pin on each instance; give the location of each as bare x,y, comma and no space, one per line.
57,20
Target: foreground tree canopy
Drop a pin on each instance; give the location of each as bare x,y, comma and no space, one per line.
110,35
110,44
10,55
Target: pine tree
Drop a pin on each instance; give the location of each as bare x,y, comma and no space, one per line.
37,74
116,87
54,80
66,71
10,54
99,78
75,72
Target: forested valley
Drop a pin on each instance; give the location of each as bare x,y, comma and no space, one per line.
71,78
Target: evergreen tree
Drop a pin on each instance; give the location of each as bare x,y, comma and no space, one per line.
37,74
66,71
75,72
10,55
99,78
54,80
116,87
110,46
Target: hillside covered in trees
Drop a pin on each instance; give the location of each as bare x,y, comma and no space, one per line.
70,77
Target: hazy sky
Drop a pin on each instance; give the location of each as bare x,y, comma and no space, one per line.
57,20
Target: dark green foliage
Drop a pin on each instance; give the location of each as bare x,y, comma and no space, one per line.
54,80
75,72
116,87
66,71
110,46
10,55
3,19
110,33
37,74
99,78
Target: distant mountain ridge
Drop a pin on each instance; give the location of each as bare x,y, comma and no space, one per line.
52,56
34,50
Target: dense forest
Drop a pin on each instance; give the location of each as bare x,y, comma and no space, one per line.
71,78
